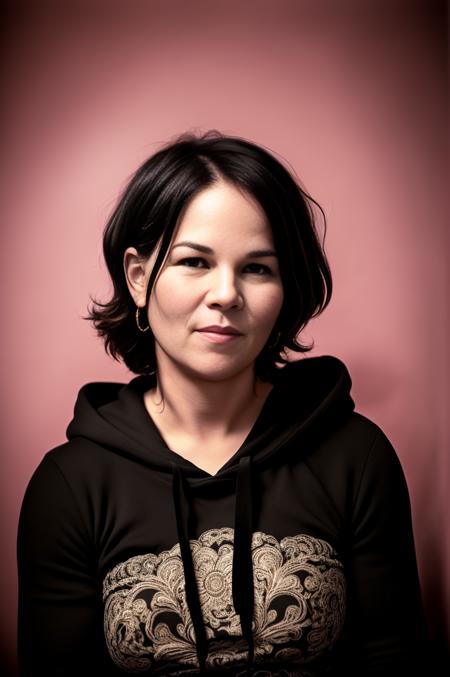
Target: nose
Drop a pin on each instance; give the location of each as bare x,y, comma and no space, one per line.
223,290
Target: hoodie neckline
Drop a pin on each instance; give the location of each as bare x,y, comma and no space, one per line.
307,397
179,458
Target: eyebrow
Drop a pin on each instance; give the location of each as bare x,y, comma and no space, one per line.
257,253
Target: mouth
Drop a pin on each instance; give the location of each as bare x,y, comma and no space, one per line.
215,329
218,337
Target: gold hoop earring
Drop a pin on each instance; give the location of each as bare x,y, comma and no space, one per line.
137,321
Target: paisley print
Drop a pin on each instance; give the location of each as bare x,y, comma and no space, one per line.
299,592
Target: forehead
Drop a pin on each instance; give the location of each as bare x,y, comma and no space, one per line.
223,209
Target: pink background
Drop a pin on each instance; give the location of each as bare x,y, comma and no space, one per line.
352,94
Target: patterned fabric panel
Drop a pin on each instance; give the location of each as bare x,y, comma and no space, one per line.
299,591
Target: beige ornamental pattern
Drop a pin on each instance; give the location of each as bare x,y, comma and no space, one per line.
299,608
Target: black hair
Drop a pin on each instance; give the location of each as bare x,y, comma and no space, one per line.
150,207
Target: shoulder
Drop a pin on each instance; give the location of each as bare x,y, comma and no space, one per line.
355,454
368,446
67,467
364,428
353,440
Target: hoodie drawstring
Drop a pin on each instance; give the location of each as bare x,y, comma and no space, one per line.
242,570
181,504
243,593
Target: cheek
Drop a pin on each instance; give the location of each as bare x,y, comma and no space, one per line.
268,305
170,301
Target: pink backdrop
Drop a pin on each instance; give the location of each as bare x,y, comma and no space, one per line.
352,94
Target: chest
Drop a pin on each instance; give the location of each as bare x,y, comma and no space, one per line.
299,584
299,606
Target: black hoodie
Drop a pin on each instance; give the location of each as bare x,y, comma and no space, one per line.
296,558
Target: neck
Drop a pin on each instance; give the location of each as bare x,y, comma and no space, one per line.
203,408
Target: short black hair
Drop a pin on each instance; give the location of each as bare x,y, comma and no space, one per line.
149,210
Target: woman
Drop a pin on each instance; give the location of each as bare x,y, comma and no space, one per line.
227,511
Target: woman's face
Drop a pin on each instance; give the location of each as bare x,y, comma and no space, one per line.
221,269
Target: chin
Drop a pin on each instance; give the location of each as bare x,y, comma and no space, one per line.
217,372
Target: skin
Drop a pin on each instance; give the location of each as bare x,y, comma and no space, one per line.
211,396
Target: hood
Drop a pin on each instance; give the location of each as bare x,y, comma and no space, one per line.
310,396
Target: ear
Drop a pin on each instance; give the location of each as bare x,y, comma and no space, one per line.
135,274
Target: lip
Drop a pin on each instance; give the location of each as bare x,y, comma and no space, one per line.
216,329
218,337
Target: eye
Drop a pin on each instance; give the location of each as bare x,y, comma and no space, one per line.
191,261
265,270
